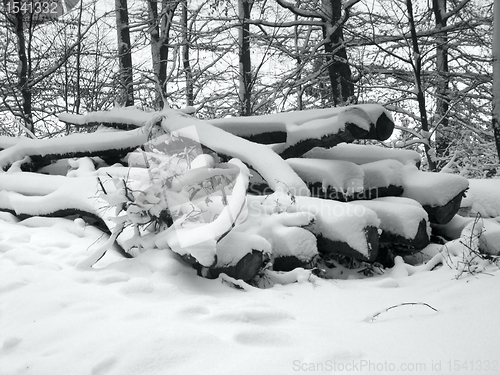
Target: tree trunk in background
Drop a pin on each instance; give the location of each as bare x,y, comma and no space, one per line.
496,75
417,71
124,54
78,61
245,89
161,24
443,138
338,68
185,55
25,107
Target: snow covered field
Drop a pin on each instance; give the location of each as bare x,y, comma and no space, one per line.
153,315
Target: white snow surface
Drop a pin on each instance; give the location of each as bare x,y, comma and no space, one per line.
362,154
382,173
153,315
294,241
340,175
483,197
434,189
119,115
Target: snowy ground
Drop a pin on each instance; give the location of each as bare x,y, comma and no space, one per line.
153,315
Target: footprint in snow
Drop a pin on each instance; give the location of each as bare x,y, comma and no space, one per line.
11,342
104,366
194,311
10,285
263,338
256,315
138,285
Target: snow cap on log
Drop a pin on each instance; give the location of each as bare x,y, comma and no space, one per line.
362,154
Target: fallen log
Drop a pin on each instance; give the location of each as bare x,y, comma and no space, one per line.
354,123
403,222
363,154
339,227
365,121
263,159
329,179
36,153
439,194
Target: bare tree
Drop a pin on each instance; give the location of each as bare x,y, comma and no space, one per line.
124,53
496,76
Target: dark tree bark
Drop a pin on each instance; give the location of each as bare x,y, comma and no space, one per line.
417,71
338,68
124,53
442,98
496,76
332,15
17,22
185,55
161,24
245,89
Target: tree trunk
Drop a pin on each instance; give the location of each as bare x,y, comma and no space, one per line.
161,24
338,68
496,76
124,53
185,55
417,71
245,88
443,137
16,19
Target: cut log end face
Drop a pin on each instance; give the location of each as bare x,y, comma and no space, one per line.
443,214
381,130
384,127
408,245
327,246
289,263
246,269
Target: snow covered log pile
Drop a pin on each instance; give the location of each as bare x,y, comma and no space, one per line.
235,195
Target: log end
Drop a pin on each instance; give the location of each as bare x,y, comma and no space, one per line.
246,268
443,214
327,246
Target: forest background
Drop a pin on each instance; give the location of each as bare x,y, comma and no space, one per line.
430,62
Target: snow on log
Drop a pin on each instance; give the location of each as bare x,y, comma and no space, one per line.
339,227
329,179
483,197
125,118
239,255
294,247
111,144
489,240
291,127
346,181
351,124
402,220
382,178
362,154
277,173
6,142
439,193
